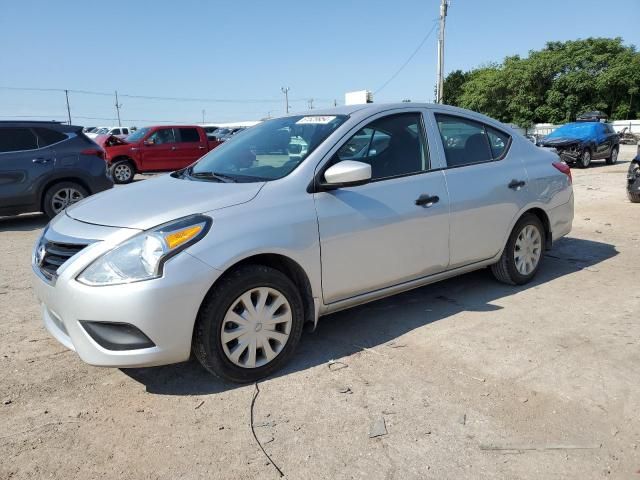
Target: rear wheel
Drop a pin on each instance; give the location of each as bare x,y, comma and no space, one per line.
123,171
522,255
613,158
249,324
585,160
60,196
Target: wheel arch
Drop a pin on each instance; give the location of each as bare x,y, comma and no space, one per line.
125,158
291,269
53,181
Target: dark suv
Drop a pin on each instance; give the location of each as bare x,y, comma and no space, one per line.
47,166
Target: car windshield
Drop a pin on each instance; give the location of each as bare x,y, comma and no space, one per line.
268,151
574,130
137,135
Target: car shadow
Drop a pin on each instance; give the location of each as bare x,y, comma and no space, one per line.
23,223
377,323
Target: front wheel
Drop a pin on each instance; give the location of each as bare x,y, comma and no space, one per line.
122,172
523,253
585,160
249,324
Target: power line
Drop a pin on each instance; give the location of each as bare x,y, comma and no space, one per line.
415,52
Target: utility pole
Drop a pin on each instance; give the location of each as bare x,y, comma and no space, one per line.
118,105
203,112
335,102
444,4
286,98
310,102
66,94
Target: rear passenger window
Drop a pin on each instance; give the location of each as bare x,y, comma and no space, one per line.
393,146
125,131
47,137
16,139
189,135
498,142
467,142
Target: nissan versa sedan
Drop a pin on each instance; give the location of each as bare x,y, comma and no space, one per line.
230,257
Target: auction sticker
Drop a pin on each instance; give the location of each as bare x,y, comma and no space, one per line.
316,119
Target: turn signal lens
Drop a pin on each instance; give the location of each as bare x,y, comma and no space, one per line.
175,239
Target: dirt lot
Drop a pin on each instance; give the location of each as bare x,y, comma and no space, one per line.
473,379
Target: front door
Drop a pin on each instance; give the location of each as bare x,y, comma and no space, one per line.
487,187
376,235
159,150
23,167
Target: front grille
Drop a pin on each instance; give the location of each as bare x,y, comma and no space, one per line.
54,255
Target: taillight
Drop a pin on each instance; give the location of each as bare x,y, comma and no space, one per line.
98,152
564,168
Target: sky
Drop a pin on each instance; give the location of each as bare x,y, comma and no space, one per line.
233,57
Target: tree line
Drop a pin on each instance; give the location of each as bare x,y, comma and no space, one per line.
553,85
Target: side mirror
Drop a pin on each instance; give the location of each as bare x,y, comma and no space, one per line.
347,173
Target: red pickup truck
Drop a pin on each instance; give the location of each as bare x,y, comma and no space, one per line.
154,149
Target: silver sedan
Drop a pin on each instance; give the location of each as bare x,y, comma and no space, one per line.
290,220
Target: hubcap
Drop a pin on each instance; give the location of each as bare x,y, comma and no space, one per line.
528,250
65,197
122,173
614,156
586,158
256,327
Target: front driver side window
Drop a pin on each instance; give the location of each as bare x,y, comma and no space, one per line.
164,135
393,146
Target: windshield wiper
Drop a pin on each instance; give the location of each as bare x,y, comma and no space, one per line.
221,177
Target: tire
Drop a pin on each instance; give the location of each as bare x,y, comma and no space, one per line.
60,195
632,176
227,302
585,160
122,172
633,197
508,270
613,158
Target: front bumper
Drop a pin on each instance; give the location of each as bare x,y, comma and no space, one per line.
164,309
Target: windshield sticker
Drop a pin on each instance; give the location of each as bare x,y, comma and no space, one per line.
317,119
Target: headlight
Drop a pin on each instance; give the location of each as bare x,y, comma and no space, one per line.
143,256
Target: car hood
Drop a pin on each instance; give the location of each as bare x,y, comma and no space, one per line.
148,203
560,141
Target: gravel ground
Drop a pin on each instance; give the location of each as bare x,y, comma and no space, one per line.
466,378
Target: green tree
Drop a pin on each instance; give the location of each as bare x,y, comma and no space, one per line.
554,84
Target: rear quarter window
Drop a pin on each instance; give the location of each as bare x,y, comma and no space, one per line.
47,137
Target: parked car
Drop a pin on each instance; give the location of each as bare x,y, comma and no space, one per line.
120,132
633,179
578,143
230,256
47,166
224,134
210,130
155,149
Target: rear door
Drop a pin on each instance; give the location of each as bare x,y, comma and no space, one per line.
190,146
23,167
159,150
487,186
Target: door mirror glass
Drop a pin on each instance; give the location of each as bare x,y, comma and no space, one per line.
348,173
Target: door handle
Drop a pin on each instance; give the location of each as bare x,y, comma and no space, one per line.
426,200
173,148
41,160
516,184
201,147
